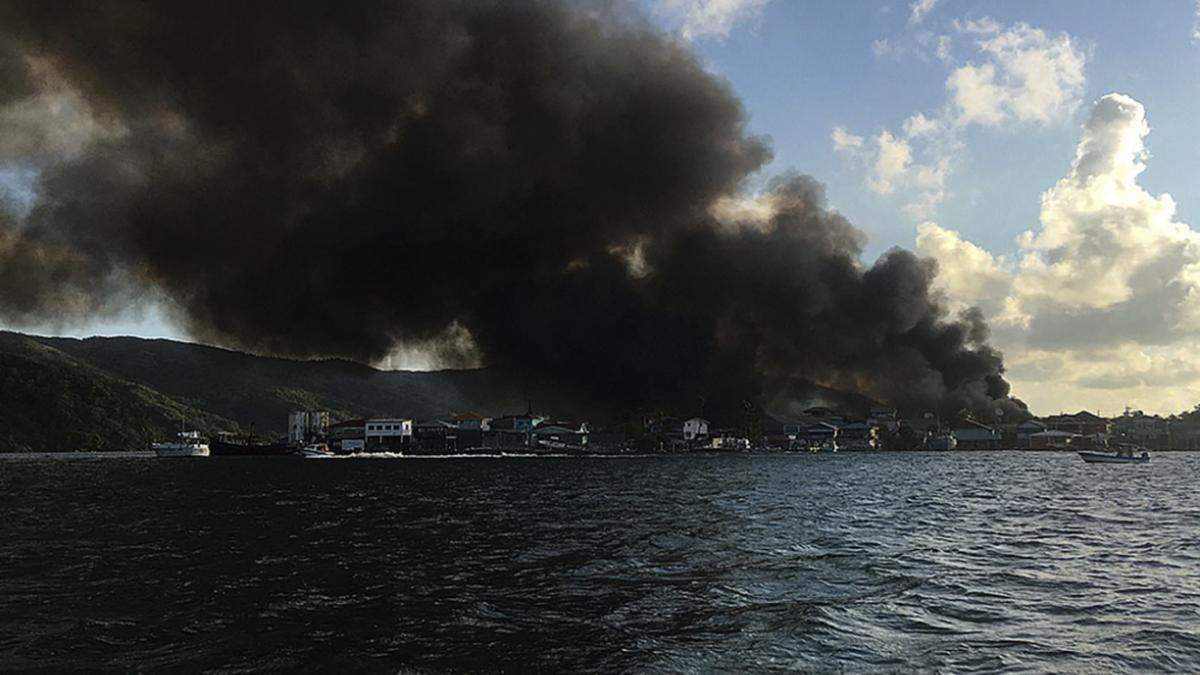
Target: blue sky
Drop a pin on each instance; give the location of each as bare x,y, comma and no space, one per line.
803,68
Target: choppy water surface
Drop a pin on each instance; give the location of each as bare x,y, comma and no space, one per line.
955,561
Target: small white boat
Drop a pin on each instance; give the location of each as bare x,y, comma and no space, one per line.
1119,457
314,450
188,444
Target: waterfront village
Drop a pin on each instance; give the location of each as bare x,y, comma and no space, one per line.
817,429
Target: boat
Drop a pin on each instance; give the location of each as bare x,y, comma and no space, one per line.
313,450
187,444
942,441
228,445
829,445
1121,456
558,447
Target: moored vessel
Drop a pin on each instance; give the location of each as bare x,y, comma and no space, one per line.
1123,455
942,441
187,444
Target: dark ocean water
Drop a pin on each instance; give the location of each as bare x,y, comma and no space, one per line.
955,561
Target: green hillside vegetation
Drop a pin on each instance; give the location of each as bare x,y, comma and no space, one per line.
53,402
260,391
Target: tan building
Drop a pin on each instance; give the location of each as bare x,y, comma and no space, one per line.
1083,423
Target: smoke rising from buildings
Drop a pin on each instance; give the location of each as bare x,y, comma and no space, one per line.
539,181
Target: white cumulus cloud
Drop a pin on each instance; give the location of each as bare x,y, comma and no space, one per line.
708,18
968,275
892,165
920,8
1104,297
1196,23
915,161
892,159
1019,75
1028,76
844,141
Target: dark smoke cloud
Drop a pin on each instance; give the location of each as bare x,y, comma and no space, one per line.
334,179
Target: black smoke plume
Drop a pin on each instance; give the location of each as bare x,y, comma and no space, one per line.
337,179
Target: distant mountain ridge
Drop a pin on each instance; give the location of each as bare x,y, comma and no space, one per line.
261,390
51,401
125,392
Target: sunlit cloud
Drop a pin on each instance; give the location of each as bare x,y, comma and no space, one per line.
1105,293
1028,76
1196,23
1017,75
920,9
708,18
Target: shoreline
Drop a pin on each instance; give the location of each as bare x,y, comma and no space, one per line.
150,454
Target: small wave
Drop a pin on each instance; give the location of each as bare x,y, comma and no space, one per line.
693,562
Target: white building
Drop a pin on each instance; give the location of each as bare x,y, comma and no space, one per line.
388,432
694,428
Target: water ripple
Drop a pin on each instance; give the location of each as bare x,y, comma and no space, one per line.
963,562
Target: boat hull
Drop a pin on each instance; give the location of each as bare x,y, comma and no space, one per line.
189,444
1104,458
175,453
313,451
